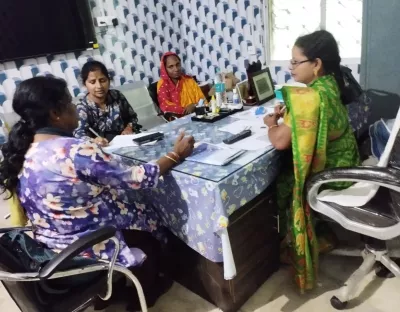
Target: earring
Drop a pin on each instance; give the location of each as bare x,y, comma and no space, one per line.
315,72
58,118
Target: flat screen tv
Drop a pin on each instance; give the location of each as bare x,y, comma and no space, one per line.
30,28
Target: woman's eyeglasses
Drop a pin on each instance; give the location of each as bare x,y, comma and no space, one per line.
297,63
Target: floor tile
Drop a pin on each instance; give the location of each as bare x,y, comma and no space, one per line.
6,304
180,299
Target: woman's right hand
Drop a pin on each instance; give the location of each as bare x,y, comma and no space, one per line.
184,146
279,110
101,141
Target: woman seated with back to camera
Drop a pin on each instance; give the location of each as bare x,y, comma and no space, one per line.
316,130
68,187
103,110
178,94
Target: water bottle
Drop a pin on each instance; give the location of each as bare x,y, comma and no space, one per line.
236,98
219,88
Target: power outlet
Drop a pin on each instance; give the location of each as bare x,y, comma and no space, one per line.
106,21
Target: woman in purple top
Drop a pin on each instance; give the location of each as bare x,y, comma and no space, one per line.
69,187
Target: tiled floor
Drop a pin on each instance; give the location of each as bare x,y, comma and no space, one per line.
279,294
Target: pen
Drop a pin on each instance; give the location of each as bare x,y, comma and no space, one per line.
94,132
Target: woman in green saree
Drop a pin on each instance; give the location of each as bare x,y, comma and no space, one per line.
316,129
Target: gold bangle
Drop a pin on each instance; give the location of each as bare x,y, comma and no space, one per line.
273,126
175,154
170,158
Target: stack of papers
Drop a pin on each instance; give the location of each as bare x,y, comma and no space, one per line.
214,155
125,141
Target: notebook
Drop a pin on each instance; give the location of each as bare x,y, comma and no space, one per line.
214,155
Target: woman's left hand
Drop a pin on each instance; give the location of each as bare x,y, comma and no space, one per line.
271,120
127,130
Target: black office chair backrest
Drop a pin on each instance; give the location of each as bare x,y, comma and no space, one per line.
153,94
394,162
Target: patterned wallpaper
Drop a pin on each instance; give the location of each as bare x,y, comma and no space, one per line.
207,34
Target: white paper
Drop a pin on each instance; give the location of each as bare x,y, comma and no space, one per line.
250,115
252,143
259,139
125,141
215,155
240,125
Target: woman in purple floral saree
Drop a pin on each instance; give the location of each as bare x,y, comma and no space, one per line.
69,187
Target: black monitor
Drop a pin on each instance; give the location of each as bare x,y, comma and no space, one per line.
30,28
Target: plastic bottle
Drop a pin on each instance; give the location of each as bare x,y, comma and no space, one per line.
236,98
213,105
219,88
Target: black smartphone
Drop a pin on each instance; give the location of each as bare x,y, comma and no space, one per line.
149,138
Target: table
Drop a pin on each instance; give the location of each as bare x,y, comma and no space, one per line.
195,200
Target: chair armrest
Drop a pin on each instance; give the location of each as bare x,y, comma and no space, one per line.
386,177
75,249
19,228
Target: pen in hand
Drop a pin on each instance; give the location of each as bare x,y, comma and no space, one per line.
94,132
99,140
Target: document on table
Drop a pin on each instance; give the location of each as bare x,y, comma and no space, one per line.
250,115
240,125
257,141
252,143
125,141
214,155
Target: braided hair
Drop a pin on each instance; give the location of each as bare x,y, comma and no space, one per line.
322,45
33,100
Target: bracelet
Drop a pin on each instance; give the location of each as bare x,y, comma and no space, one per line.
176,155
170,158
273,126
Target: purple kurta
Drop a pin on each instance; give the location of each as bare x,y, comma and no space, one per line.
70,188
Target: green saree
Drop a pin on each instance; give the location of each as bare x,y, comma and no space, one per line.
321,138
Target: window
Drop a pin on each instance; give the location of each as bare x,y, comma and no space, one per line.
290,19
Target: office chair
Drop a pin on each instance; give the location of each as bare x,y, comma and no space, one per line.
378,220
32,290
153,94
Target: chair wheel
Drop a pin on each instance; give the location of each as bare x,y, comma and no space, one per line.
383,272
337,304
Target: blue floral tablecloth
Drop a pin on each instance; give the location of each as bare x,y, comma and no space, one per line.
195,200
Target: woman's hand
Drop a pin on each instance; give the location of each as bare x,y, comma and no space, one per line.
127,130
100,141
271,120
190,109
184,146
279,110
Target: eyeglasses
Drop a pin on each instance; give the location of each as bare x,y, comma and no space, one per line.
297,63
